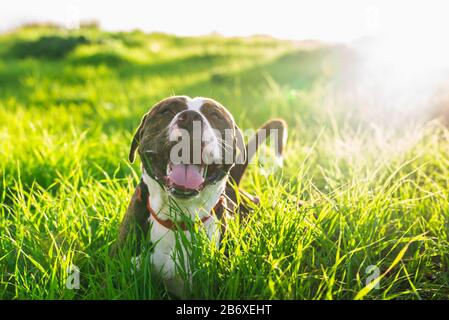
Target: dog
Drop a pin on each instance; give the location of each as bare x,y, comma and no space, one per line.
202,182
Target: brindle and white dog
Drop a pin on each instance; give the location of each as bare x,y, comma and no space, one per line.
203,184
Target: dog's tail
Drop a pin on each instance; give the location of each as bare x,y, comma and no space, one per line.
277,127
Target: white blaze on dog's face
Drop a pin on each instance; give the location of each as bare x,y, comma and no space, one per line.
187,145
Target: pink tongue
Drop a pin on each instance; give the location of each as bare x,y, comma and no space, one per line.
187,176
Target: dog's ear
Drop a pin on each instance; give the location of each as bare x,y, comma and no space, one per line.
136,140
240,147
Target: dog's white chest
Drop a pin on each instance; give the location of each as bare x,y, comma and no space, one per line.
170,250
170,255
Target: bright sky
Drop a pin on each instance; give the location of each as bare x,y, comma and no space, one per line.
342,20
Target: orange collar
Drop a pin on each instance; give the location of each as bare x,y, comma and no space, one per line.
170,224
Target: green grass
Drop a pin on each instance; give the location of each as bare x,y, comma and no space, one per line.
371,195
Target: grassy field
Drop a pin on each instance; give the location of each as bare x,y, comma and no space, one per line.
371,195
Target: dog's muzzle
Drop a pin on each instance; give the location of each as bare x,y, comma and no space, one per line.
196,147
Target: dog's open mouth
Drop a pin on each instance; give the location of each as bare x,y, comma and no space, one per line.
185,180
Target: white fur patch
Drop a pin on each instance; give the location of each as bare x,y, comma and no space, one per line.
195,103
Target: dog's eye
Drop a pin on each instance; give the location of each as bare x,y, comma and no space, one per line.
215,115
167,112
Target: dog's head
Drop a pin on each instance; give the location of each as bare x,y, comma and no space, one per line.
187,144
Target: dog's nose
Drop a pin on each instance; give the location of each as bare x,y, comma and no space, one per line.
187,118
